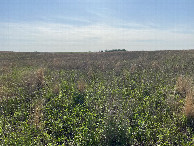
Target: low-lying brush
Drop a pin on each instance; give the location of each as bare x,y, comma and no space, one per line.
107,98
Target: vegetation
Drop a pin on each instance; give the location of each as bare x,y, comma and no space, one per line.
109,98
115,50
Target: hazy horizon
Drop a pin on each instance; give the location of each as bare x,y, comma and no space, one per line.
84,25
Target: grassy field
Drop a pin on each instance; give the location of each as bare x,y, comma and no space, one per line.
105,98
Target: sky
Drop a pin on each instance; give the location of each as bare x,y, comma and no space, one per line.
95,25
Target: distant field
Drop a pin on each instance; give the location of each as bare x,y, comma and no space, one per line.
104,98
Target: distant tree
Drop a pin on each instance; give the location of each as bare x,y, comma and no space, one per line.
115,50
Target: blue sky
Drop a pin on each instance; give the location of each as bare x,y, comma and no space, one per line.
93,25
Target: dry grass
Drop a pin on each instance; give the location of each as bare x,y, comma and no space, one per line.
34,80
155,64
185,89
189,104
183,85
133,68
36,113
1,93
90,72
40,78
81,85
56,88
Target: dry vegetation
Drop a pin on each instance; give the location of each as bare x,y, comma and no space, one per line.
105,98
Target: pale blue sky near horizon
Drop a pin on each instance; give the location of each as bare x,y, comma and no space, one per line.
94,25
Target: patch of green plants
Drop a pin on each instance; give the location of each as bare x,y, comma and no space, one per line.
125,98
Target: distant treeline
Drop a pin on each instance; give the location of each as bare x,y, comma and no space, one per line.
114,50
6,51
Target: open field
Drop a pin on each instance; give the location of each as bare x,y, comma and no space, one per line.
105,98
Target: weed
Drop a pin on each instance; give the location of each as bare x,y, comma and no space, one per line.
81,85
107,98
183,85
189,108
40,78
37,113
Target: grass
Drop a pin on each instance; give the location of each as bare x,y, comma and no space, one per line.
105,98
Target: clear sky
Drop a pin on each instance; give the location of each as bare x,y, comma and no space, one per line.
94,25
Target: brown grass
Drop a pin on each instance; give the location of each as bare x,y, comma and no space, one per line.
189,104
34,80
90,72
133,68
36,113
1,93
56,88
81,85
40,78
185,89
183,85
155,64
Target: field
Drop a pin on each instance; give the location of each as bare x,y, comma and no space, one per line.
104,98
